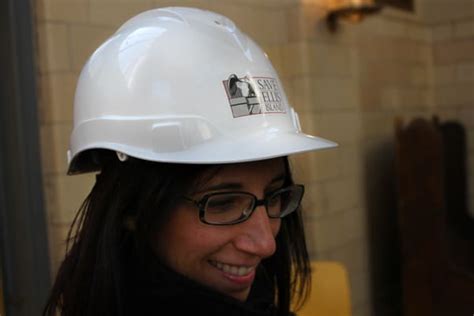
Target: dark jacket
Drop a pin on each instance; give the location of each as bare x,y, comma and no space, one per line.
165,292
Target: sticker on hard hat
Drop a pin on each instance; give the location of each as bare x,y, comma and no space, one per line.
253,95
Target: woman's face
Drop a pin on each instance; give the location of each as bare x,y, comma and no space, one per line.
224,257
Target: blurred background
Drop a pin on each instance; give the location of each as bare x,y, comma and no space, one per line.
351,75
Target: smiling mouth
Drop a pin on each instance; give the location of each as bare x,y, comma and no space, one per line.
231,269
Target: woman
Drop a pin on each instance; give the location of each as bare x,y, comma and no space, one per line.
194,210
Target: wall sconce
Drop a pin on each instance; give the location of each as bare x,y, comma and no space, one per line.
350,10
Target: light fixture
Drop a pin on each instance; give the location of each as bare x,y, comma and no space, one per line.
350,10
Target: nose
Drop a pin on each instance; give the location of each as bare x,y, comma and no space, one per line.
256,235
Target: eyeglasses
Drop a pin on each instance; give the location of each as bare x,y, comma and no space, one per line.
227,208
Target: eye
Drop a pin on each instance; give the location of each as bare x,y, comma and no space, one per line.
220,203
229,202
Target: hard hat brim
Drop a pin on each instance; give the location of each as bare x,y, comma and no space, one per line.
254,147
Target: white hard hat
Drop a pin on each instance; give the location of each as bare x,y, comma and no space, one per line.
183,85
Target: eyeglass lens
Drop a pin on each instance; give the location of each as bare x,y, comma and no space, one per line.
230,207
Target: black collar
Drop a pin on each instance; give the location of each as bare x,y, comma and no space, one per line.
159,288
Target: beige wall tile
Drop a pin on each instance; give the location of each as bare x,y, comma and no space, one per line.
341,127
53,45
355,221
425,55
310,122
350,161
370,96
354,256
301,95
374,48
414,97
370,27
330,60
296,59
313,168
323,234
333,230
397,50
465,72
399,97
321,3
384,72
310,234
435,11
460,94
457,51
71,11
392,97
377,125
312,94
265,25
342,194
444,74
115,13
50,200
419,32
274,54
306,22
202,4
447,96
57,96
54,145
335,93
315,201
442,32
326,164
393,28
298,165
86,40
418,76
464,29
269,3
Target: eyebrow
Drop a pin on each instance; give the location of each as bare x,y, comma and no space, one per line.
237,185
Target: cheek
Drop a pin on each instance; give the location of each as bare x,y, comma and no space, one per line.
184,240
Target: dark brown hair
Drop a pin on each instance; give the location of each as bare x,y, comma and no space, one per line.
91,279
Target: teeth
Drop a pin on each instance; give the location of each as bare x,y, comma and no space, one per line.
235,270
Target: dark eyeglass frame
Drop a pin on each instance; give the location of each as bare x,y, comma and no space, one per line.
202,202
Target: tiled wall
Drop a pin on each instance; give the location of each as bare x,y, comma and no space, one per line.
347,86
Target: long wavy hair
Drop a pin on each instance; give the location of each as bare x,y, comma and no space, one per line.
91,279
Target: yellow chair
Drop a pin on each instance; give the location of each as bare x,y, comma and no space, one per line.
330,294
